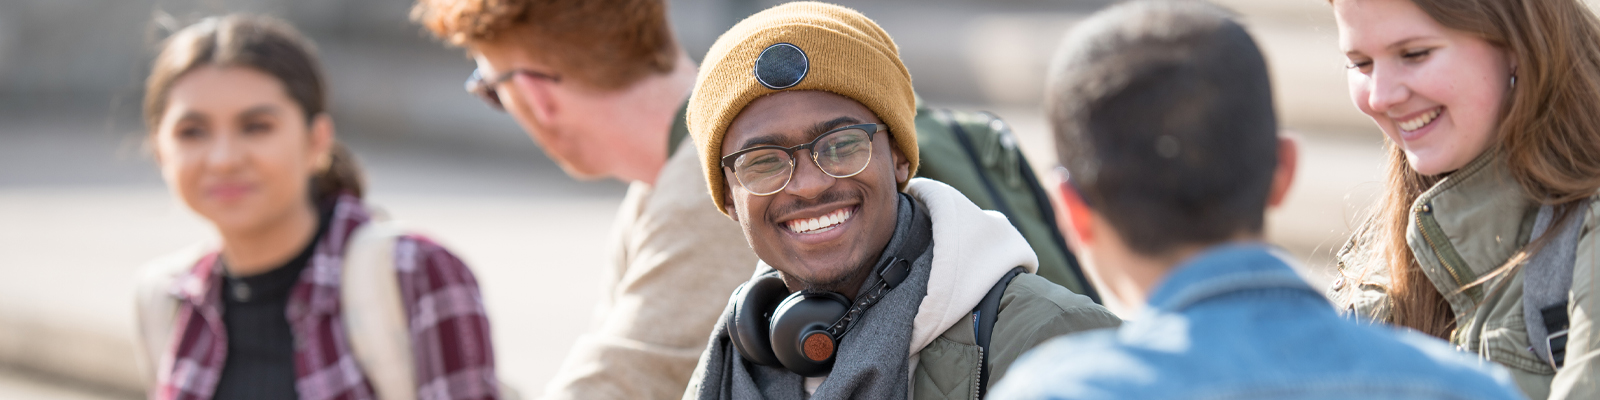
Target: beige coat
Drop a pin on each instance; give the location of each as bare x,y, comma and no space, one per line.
663,292
1462,229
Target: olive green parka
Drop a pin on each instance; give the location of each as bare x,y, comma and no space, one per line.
1463,229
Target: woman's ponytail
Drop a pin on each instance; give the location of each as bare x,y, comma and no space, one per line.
341,176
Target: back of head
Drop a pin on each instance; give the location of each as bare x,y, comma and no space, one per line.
1162,113
267,45
606,44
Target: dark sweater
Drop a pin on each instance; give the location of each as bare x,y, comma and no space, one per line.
260,361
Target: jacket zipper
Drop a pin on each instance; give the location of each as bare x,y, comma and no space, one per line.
1454,340
977,386
1450,269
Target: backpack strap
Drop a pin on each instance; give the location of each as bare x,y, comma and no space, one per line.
374,314
983,318
375,319
1547,282
158,305
965,140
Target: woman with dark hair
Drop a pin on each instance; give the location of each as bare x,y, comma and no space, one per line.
306,296
1484,233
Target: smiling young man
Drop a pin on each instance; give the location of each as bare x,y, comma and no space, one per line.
1163,118
602,86
872,284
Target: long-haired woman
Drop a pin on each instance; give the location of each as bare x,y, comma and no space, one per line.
1491,109
292,302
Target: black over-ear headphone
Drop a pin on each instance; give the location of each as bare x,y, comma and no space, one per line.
800,331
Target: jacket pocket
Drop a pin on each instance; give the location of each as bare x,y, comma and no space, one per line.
1508,344
947,370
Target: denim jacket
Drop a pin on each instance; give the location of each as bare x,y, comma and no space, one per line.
1236,322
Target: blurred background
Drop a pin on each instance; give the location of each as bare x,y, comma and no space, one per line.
82,206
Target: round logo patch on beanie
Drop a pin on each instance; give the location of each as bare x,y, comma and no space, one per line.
781,66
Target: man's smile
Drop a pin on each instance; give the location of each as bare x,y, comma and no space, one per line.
820,224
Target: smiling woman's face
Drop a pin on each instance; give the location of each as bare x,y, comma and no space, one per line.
1435,91
236,149
821,232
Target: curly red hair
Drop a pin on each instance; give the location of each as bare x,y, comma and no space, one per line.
607,44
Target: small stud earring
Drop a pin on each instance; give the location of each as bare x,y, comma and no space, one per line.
1513,81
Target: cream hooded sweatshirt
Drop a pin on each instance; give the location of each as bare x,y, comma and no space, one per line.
972,249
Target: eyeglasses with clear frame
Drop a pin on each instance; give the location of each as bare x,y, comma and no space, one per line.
841,153
485,88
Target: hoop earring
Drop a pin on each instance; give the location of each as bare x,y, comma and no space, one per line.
1513,81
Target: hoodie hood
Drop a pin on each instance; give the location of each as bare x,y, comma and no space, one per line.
972,249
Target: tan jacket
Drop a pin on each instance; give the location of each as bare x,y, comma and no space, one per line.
662,294
1464,228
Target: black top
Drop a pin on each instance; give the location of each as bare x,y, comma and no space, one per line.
260,361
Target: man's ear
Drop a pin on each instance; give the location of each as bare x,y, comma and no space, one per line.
1283,174
727,201
902,166
1077,217
539,98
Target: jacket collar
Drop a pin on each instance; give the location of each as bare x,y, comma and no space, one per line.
319,283
1223,270
1467,225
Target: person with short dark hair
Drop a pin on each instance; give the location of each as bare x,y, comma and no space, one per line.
872,284
1164,123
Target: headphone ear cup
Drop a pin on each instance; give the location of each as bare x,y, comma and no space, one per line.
753,304
799,331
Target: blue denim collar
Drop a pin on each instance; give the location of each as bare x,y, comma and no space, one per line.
1226,269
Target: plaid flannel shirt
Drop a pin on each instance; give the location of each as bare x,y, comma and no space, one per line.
449,328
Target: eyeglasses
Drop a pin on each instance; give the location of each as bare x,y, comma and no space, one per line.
485,90
840,153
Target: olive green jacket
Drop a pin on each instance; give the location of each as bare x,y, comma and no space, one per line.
1032,310
1463,229
971,250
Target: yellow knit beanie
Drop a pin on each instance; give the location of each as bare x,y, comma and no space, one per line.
799,46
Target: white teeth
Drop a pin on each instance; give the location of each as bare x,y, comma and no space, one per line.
1420,121
813,225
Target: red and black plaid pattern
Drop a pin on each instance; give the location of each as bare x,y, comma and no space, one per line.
449,328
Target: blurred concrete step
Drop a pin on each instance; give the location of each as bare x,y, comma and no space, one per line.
20,385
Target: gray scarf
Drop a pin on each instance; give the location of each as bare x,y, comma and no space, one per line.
872,360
